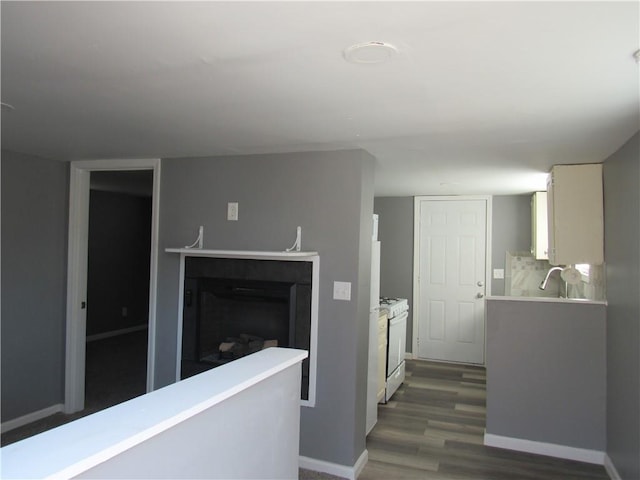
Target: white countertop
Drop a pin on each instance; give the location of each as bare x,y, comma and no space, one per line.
548,300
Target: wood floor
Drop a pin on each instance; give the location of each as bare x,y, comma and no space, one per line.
433,428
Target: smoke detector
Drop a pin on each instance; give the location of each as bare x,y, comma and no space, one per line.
370,52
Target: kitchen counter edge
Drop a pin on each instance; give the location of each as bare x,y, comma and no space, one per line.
548,300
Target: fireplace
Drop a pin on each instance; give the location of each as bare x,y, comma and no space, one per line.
236,306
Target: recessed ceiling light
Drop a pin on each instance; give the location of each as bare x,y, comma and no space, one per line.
370,52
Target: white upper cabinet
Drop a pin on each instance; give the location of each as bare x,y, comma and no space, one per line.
575,211
539,226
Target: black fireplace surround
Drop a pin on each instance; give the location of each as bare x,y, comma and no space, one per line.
234,307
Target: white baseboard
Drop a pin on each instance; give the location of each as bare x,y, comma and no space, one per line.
409,356
542,448
611,469
344,471
31,417
115,333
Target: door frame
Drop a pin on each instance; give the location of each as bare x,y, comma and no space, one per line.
77,262
416,256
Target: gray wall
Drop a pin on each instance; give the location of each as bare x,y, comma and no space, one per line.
546,372
395,232
510,232
330,195
622,244
34,244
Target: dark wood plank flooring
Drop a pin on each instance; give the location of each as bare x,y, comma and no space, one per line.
433,428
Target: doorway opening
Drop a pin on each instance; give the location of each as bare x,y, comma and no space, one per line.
111,290
119,254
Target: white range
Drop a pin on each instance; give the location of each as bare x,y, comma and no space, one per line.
397,312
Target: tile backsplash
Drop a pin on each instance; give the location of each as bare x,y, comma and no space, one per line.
524,274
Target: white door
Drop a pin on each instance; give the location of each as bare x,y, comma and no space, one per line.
451,249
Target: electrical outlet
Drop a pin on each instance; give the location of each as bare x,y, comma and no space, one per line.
342,291
232,211
498,273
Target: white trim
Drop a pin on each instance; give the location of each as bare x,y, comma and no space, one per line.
79,188
312,257
31,417
313,356
361,463
344,471
115,333
249,254
611,468
76,289
181,273
153,275
542,448
416,257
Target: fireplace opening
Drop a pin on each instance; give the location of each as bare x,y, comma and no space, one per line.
235,307
241,317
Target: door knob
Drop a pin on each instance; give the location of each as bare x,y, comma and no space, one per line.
480,283
479,295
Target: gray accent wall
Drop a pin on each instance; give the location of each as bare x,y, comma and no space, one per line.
34,252
395,232
546,372
622,244
328,194
510,232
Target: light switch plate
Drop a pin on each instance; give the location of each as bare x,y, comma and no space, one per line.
232,211
498,273
342,291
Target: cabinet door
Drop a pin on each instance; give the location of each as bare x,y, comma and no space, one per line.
576,219
539,226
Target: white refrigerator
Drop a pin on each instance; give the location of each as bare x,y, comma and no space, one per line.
374,309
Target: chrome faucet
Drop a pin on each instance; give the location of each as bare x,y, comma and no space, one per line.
543,285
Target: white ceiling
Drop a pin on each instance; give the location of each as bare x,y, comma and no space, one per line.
483,97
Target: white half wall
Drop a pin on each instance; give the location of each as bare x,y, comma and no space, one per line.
223,423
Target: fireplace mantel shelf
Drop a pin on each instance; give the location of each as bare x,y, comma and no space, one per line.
260,255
